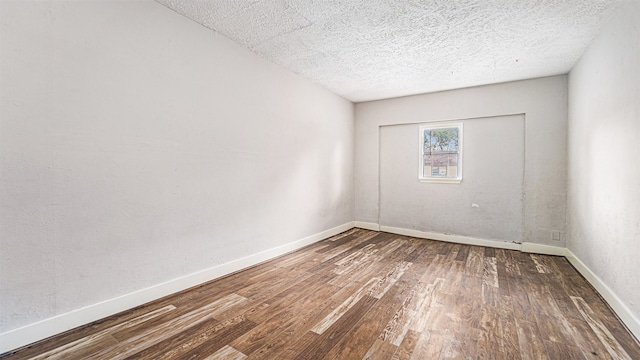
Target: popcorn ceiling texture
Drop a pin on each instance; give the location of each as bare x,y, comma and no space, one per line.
367,50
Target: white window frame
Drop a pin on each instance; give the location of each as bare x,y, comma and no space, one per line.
432,126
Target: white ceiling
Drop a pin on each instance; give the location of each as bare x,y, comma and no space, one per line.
375,49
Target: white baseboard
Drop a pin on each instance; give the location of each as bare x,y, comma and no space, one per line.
543,249
619,307
467,240
367,225
40,330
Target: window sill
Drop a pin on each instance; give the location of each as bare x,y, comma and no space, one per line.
440,181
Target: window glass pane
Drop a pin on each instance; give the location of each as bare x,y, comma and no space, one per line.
440,152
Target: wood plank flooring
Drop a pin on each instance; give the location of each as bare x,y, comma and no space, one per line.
367,295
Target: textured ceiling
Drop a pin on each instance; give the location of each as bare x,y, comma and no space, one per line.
375,49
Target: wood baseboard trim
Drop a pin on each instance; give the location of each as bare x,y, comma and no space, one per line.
43,329
619,307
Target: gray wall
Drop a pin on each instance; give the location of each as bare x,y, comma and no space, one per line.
604,157
493,163
138,147
544,105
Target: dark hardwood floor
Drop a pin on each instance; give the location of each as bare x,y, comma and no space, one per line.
364,294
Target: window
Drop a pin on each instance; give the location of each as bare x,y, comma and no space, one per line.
441,153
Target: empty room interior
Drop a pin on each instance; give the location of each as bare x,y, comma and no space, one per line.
332,179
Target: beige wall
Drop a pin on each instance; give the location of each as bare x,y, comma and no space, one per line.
492,180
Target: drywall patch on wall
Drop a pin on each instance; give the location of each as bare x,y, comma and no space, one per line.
492,180
544,103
